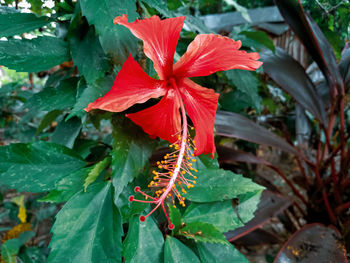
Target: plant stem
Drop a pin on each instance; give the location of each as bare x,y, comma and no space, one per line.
295,191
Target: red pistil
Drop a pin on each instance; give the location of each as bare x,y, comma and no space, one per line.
176,173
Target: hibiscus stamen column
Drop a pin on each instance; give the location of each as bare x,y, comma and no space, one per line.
176,171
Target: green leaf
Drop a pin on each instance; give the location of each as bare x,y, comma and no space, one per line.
176,252
247,91
33,55
88,228
10,248
116,40
88,93
202,232
15,23
36,167
260,37
35,6
217,253
96,171
218,184
55,98
132,150
88,56
223,215
67,131
67,187
144,242
175,217
193,23
160,6
48,119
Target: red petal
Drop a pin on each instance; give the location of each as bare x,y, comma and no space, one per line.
163,119
132,85
159,39
209,53
201,104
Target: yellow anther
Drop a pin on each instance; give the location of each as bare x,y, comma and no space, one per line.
192,128
192,154
170,145
195,177
160,166
196,171
162,161
183,172
195,148
158,162
155,184
191,169
174,206
194,160
194,182
190,164
193,141
183,198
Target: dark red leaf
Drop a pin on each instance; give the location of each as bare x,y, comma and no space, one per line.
292,78
257,238
312,38
231,124
312,244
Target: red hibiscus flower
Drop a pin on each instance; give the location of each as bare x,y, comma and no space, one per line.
207,54
167,119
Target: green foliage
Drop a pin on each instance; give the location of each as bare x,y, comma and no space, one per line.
144,242
246,95
10,248
176,252
55,98
132,150
203,232
88,56
13,22
91,222
36,167
33,55
96,171
116,40
217,185
218,253
224,215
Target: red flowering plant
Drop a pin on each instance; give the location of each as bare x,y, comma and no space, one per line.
207,54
